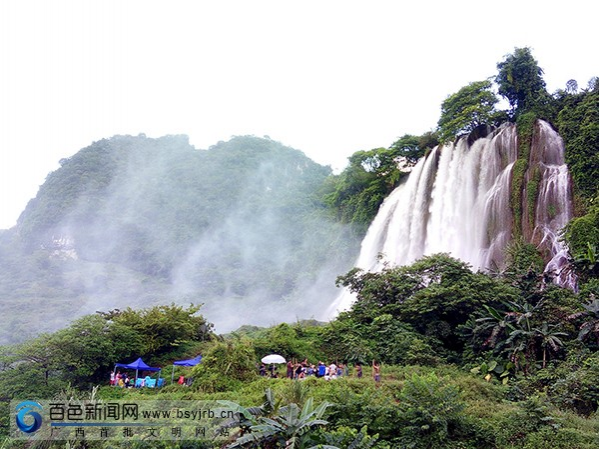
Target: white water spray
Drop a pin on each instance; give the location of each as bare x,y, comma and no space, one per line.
457,201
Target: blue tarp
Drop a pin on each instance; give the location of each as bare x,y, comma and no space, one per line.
139,364
189,362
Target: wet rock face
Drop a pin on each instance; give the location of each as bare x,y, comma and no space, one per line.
479,132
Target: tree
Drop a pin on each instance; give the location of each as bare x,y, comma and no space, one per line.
471,106
431,410
428,140
549,339
591,315
587,262
226,364
582,237
359,190
520,80
87,350
435,295
494,326
572,86
408,147
291,341
521,345
164,329
524,268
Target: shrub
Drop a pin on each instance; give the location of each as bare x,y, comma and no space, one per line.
225,366
430,411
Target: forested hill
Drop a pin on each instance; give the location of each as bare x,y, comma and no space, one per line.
136,221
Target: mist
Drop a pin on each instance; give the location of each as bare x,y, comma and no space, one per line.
136,222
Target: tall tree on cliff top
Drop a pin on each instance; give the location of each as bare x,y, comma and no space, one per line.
520,81
471,106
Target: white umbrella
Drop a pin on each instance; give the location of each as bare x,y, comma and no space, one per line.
273,358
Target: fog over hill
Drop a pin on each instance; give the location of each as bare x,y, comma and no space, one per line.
137,221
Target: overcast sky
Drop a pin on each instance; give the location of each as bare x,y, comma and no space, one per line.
326,77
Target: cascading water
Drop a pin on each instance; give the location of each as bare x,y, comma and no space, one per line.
457,201
554,203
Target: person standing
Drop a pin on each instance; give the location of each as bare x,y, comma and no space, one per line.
376,371
359,370
332,372
299,369
322,370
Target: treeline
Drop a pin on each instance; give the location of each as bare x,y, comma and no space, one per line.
83,354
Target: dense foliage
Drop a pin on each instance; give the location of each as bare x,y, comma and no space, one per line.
134,220
578,124
144,202
520,81
435,296
84,353
472,106
356,194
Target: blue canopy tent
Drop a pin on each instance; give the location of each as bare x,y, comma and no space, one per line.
138,365
188,362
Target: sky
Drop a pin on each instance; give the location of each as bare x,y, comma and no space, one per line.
326,77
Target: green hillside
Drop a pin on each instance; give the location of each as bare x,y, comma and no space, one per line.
133,221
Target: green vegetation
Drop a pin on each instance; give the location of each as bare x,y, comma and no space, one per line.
578,124
525,130
532,192
356,194
434,297
82,354
246,179
520,81
582,235
518,173
134,220
360,189
472,106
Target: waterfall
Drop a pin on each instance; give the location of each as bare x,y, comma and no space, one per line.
554,204
456,200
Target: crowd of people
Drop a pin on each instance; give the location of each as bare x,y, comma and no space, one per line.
295,370
120,380
124,381
301,370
